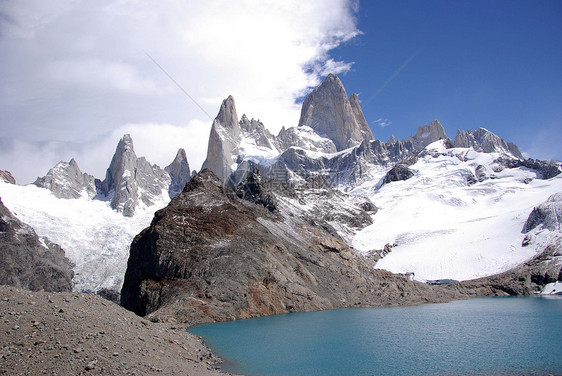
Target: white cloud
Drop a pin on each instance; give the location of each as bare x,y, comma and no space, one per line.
76,72
383,123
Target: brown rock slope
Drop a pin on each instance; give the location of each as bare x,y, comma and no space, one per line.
29,261
210,256
83,334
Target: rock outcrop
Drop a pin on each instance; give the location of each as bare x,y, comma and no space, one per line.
7,177
485,141
223,140
397,173
179,173
428,134
130,181
66,180
29,261
329,111
547,215
211,256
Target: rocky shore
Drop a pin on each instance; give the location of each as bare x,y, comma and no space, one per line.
47,333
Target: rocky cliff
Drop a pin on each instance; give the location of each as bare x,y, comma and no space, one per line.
485,141
6,176
29,261
329,111
212,256
131,181
66,180
179,173
223,140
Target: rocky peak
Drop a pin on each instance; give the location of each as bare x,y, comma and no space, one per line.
485,141
66,180
179,173
7,177
328,111
130,180
428,134
223,140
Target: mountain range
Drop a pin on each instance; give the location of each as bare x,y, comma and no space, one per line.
321,215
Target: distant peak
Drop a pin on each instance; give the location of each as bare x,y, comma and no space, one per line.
180,156
227,115
125,144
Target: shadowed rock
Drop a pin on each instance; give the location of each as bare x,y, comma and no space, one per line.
29,261
179,173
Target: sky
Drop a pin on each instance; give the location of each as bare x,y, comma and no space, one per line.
76,75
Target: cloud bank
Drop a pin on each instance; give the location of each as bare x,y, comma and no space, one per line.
76,76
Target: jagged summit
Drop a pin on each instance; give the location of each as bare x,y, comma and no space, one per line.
223,139
485,141
130,180
428,134
329,111
179,173
66,180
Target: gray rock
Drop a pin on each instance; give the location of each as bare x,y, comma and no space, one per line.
428,134
397,173
223,141
329,112
544,169
130,180
481,173
29,261
548,215
7,177
179,173
66,180
485,141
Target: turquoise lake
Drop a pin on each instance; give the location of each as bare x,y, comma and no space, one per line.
482,336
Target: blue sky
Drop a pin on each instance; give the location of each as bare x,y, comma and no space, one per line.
493,64
75,75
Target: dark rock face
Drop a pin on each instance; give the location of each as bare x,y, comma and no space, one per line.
485,141
179,173
253,190
210,256
130,180
548,215
328,111
66,180
7,177
29,261
545,170
397,173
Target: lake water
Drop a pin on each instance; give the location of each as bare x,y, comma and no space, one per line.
482,336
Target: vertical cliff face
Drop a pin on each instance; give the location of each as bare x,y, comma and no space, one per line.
329,111
29,261
130,181
66,180
223,140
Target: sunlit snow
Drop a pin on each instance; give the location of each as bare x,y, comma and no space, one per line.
445,228
95,237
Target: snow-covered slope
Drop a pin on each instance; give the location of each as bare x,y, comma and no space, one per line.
460,216
95,237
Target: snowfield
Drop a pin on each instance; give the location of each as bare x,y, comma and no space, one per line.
442,227
95,237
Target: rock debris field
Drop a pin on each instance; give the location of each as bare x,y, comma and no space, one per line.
83,334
